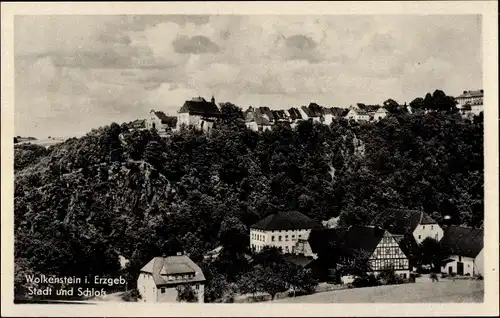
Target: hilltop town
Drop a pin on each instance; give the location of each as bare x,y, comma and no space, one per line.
298,201
202,114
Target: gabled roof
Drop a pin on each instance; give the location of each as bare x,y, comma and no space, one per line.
463,241
307,111
298,260
381,110
199,106
362,240
286,221
161,116
294,113
319,239
401,221
159,267
315,109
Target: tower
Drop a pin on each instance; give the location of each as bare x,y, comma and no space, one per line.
213,99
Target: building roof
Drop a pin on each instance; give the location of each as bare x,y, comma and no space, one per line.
173,265
199,106
161,116
381,110
320,239
469,94
139,123
294,113
299,260
401,221
315,109
286,221
463,241
362,240
308,111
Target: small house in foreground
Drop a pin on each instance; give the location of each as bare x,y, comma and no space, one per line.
158,280
465,247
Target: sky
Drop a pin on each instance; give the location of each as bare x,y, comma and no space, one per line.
74,73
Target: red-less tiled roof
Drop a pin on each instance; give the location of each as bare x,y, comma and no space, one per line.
463,241
160,267
286,221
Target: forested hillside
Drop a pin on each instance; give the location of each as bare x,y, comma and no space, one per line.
80,203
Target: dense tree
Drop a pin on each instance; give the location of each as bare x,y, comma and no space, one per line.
432,253
186,293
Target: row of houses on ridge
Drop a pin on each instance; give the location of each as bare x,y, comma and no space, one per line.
202,114
263,118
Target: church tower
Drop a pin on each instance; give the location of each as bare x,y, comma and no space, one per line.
213,99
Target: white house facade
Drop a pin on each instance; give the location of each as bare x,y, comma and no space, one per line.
381,113
465,247
281,230
377,247
198,113
427,229
157,120
159,279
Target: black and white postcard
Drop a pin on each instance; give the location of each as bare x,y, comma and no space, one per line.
250,159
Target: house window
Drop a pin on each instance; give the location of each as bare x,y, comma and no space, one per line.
419,237
436,236
163,290
423,227
460,258
432,227
300,235
293,236
286,237
279,238
286,249
197,286
272,237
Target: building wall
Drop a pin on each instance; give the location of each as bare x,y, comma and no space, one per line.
169,294
467,261
182,119
252,125
352,114
154,121
260,238
195,121
302,247
379,115
479,264
328,119
389,254
146,287
422,231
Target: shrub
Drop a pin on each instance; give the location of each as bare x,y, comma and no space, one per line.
366,281
131,295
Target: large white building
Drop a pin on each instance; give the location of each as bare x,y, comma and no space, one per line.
281,230
158,280
471,102
198,113
465,247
